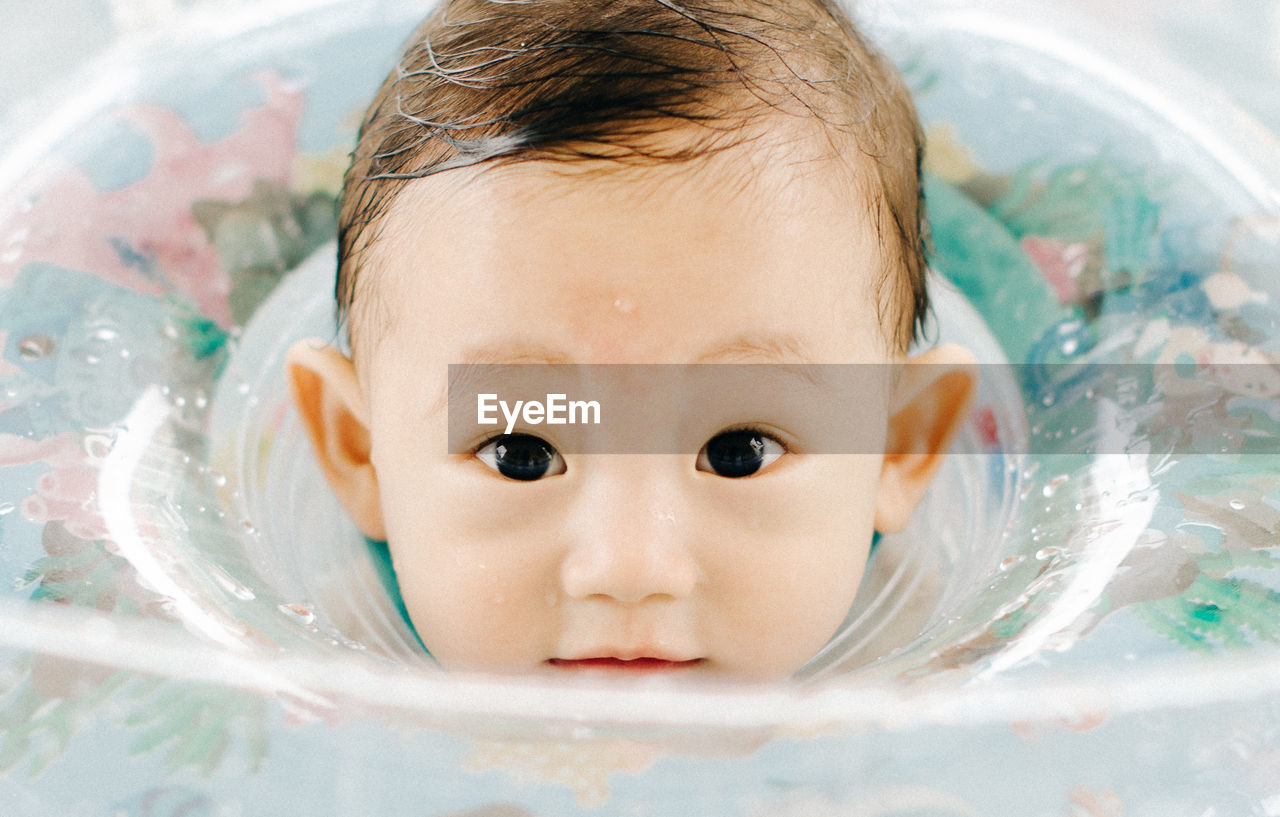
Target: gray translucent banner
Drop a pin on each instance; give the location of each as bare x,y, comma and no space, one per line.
1180,408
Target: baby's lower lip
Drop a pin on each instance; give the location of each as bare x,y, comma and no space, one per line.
617,665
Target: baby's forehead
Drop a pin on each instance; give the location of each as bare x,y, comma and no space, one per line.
621,235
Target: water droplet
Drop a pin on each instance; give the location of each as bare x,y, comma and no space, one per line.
1051,487
1070,346
170,331
35,347
229,584
104,334
180,401
624,306
300,612
1236,505
249,528
1047,553
7,508
242,388
1048,400
218,478
1011,562
202,401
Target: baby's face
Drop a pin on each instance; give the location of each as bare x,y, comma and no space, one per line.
606,559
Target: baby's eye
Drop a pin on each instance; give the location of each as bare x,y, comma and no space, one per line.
521,456
739,453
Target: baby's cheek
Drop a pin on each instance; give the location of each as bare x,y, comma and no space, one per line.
789,555
477,605
793,612
468,621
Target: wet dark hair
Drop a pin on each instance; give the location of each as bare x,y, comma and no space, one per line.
500,81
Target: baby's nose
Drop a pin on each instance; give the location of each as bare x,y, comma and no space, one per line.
628,541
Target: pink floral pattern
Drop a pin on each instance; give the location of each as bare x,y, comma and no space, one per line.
126,236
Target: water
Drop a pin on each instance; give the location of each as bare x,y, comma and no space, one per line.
36,347
229,584
301,613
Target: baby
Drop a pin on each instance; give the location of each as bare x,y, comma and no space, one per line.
630,182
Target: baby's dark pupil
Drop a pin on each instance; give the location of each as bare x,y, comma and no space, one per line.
736,453
523,456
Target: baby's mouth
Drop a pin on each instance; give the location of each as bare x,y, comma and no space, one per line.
624,666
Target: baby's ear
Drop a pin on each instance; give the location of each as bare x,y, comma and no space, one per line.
333,410
929,404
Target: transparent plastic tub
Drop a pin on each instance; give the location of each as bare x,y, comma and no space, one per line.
1083,618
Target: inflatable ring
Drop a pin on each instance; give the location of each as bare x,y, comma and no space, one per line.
1107,526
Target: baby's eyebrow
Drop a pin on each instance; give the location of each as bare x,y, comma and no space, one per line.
787,352
462,380
766,348
514,352
493,361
